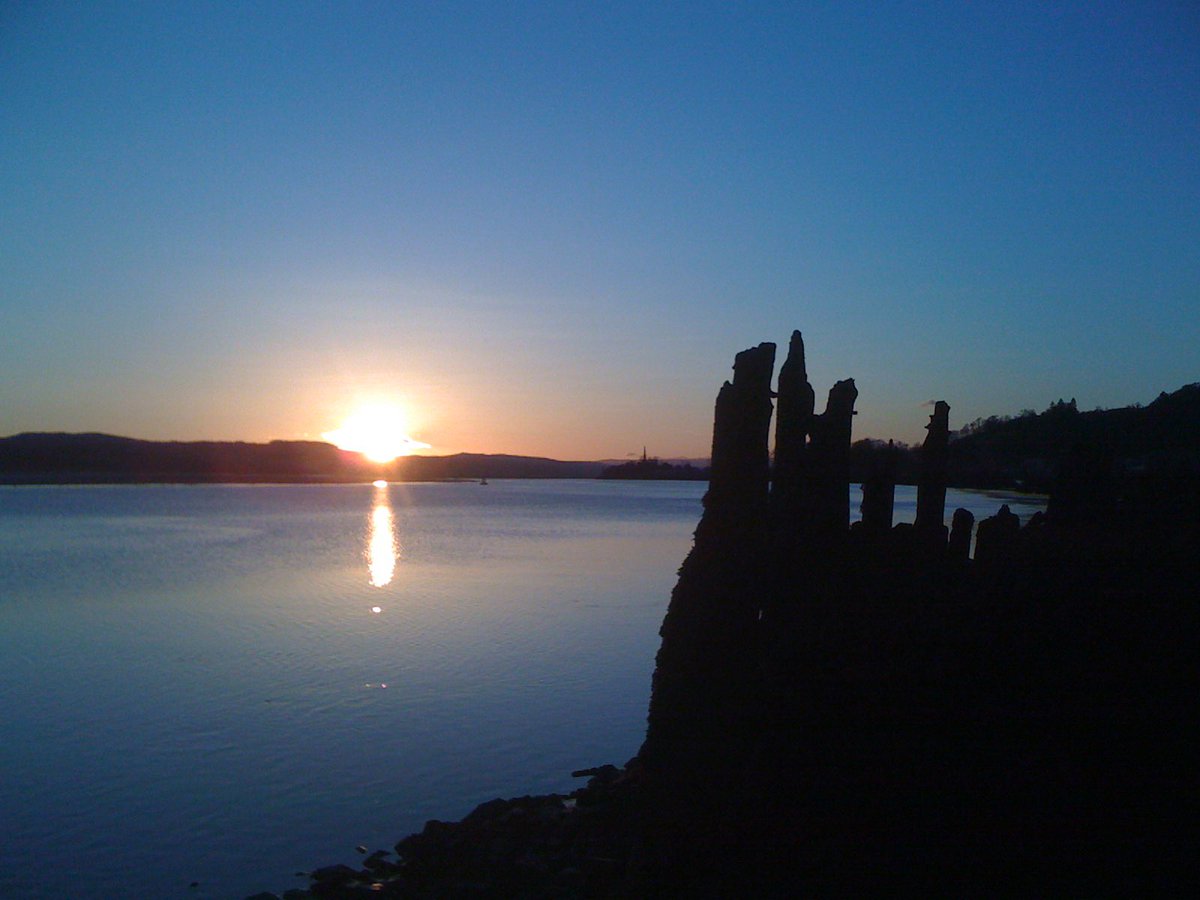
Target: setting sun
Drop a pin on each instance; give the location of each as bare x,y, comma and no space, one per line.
377,432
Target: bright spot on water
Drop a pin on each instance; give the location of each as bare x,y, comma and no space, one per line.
379,483
376,609
381,545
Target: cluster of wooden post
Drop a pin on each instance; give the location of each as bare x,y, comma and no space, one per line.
771,530
801,497
810,478
807,490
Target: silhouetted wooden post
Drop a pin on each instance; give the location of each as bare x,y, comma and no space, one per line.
706,663
931,484
960,534
879,492
793,421
827,493
996,538
741,465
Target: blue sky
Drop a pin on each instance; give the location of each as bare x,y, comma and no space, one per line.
546,228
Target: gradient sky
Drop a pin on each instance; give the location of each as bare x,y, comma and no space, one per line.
547,228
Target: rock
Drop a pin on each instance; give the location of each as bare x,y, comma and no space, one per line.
492,809
334,875
600,774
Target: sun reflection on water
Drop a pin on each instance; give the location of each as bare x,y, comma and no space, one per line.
382,552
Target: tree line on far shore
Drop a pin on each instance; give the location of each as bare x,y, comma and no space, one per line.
1024,451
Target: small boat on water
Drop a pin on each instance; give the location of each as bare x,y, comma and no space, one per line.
483,480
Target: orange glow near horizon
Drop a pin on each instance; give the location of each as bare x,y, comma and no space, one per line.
378,432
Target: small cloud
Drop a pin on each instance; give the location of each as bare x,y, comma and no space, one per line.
929,403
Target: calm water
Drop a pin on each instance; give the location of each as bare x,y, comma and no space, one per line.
226,685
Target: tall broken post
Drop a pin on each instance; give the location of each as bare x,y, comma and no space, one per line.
793,422
741,466
827,470
706,665
931,483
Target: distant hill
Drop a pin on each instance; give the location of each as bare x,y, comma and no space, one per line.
58,458
1028,450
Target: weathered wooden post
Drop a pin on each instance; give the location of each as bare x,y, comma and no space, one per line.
960,534
931,483
879,492
706,663
827,493
793,423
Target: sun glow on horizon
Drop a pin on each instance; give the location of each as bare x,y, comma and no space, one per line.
377,432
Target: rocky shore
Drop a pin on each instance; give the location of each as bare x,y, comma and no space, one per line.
580,844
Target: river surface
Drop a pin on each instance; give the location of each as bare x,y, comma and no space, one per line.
206,689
